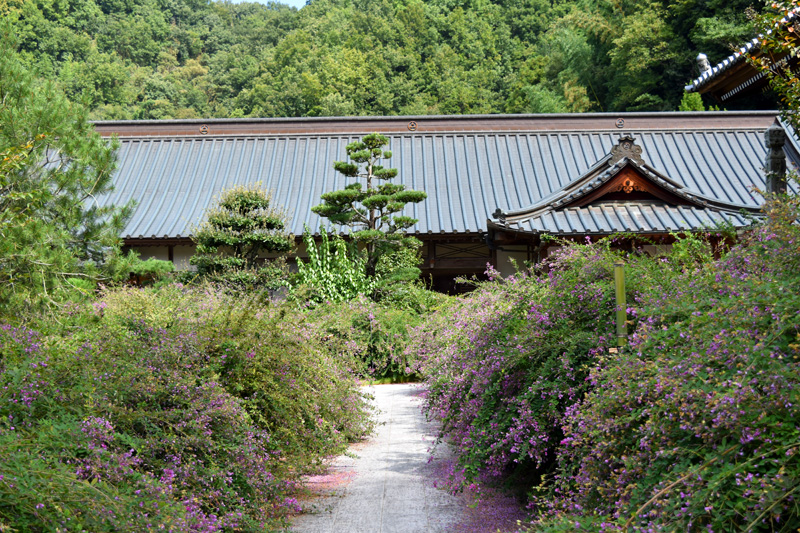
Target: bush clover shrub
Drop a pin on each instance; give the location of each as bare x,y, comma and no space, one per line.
695,427
184,409
690,428
503,364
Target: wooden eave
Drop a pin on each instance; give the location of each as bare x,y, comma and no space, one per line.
735,75
157,241
424,237
743,78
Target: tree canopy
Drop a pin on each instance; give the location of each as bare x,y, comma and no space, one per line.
372,212
153,59
53,166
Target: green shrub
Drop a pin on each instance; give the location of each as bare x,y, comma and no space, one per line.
413,297
241,226
152,269
695,427
373,335
334,272
370,335
181,409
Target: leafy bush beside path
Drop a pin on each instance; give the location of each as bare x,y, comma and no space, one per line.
178,409
504,364
693,428
375,334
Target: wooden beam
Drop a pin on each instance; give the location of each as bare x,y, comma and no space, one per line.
421,125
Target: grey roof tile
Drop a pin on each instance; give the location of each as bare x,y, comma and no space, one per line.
628,218
734,59
466,175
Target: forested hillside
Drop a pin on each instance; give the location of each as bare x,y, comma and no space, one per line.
154,59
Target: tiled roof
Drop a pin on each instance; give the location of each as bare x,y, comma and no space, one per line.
628,217
729,62
581,206
467,175
732,60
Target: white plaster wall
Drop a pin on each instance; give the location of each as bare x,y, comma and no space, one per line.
517,253
152,252
181,256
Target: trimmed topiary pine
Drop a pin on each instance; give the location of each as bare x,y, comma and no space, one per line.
372,212
235,233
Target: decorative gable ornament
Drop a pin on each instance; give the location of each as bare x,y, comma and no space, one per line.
626,147
623,175
628,186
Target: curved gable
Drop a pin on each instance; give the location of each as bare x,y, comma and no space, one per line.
618,185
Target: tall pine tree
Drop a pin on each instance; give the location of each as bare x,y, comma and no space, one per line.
372,212
55,167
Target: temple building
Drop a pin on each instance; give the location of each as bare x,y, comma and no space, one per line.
496,184
734,78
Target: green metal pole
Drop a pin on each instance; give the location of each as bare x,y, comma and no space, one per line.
622,315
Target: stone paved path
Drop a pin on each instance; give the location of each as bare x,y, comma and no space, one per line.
386,487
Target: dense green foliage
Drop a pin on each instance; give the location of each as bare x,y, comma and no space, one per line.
235,234
691,428
333,272
376,334
155,59
176,409
366,318
504,364
151,269
372,212
695,428
53,166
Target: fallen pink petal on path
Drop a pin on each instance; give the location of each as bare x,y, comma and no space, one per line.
386,484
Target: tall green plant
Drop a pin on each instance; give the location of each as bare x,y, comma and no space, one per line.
54,166
334,271
372,212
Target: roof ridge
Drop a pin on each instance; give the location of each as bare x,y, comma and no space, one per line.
738,56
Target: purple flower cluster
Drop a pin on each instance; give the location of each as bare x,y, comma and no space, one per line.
693,427
202,419
503,365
